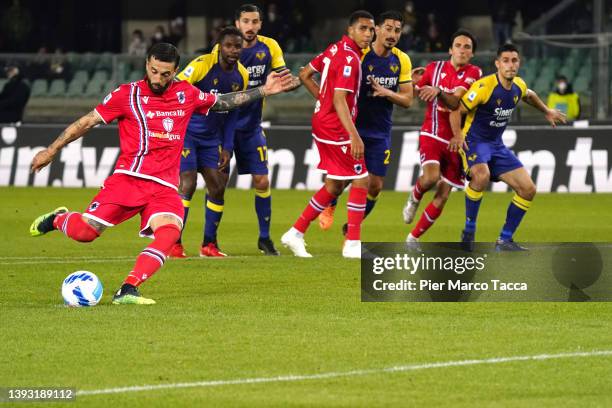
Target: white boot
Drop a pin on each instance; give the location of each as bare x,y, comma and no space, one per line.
410,209
294,240
351,249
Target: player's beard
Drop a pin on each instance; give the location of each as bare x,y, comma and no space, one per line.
157,91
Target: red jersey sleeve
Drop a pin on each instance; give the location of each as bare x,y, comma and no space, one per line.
347,72
113,105
472,74
203,101
427,75
317,62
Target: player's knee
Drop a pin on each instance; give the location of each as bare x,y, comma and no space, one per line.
480,177
187,185
216,192
334,189
261,182
527,191
429,179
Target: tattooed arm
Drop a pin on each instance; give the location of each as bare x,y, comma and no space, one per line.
276,82
233,100
70,134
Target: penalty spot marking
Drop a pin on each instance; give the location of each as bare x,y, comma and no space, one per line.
340,374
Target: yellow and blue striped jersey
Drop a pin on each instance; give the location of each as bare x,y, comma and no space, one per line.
490,107
205,73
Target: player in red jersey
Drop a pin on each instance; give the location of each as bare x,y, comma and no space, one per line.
153,114
333,128
441,86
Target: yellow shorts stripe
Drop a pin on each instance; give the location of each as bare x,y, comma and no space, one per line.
214,207
473,194
186,203
263,193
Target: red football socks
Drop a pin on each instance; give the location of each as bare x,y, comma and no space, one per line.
153,257
427,219
417,191
317,203
356,206
73,225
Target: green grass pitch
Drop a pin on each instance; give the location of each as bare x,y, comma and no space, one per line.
255,317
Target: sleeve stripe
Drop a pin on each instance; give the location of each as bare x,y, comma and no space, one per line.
311,66
464,104
344,89
100,116
406,82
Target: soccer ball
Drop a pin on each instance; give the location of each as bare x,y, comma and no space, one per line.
81,288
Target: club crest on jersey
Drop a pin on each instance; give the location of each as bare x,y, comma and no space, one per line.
107,98
93,206
460,74
186,152
235,87
260,55
215,81
370,67
394,68
472,157
515,99
333,49
180,96
498,101
168,124
358,168
347,71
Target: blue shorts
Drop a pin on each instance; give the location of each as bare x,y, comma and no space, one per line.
377,155
251,151
497,156
199,153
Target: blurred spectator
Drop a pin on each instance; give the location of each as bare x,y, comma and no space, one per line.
274,26
502,15
14,96
138,45
39,67
410,41
410,16
564,98
59,67
433,42
177,31
159,35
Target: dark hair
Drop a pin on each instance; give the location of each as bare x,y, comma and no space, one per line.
164,52
356,15
389,15
229,30
467,34
247,8
507,48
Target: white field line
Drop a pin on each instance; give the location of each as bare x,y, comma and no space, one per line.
67,260
353,373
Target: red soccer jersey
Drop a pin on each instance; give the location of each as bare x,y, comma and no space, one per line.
442,74
340,68
152,127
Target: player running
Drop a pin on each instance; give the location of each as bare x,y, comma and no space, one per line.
340,146
386,81
153,114
441,86
489,103
260,55
209,141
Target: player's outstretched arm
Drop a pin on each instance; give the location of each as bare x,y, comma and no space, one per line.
403,97
307,76
553,116
70,134
276,82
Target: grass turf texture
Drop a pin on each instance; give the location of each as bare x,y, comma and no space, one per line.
253,316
